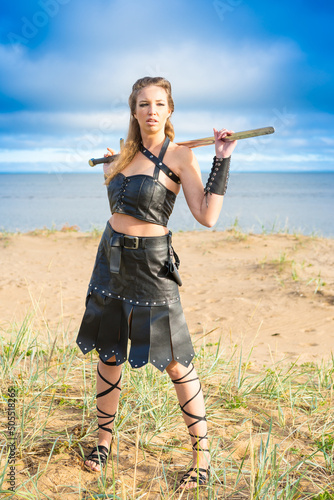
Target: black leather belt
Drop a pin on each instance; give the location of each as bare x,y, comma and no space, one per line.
117,241
133,242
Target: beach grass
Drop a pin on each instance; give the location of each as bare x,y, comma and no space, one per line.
271,427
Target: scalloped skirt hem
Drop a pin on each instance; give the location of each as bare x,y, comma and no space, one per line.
151,334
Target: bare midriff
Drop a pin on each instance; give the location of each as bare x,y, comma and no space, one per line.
135,227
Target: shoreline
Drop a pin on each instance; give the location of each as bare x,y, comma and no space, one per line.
272,293
95,232
260,203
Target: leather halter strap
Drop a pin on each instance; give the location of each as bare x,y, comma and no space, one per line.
159,163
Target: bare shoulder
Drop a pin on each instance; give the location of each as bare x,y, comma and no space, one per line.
182,151
183,156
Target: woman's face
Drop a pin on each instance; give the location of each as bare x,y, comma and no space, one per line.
152,109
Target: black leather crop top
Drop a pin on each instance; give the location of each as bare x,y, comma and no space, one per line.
143,196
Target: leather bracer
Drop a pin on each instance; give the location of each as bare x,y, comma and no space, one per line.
218,178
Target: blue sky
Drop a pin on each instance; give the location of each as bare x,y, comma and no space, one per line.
67,67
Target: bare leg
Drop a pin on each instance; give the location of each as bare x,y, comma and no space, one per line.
108,387
190,396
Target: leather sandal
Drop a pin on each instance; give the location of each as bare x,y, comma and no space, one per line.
200,477
202,474
99,456
100,453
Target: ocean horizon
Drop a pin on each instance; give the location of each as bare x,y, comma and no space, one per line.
255,202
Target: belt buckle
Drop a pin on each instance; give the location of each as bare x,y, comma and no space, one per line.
135,242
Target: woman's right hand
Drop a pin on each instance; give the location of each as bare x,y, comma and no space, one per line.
107,166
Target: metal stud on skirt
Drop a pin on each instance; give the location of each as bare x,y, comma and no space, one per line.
131,297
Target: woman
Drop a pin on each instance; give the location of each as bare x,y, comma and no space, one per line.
133,293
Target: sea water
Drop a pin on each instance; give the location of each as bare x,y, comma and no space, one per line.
255,202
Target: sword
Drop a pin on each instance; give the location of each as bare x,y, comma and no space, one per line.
206,141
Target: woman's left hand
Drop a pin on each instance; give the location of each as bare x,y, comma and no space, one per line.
224,149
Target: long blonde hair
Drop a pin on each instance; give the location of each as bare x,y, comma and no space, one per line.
133,140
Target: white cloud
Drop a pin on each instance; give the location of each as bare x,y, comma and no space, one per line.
64,122
329,141
73,90
282,158
31,156
201,74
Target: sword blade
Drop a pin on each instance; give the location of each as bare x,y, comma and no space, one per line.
206,141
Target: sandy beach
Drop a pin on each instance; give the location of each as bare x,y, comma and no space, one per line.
268,298
272,293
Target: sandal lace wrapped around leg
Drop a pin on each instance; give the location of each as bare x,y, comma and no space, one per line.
102,415
196,475
99,454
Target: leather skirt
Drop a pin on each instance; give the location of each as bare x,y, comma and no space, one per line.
132,297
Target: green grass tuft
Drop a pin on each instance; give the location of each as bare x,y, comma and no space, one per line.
270,428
